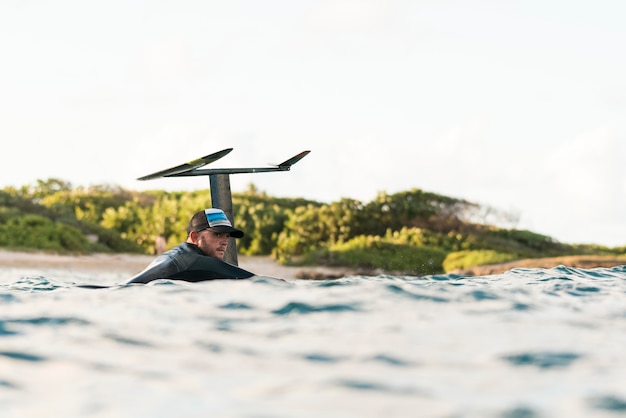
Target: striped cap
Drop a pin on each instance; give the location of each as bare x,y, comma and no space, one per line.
214,219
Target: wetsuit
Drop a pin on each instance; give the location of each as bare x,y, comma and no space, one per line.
187,262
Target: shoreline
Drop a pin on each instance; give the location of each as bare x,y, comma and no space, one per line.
132,264
576,261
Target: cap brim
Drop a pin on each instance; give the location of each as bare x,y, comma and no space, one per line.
237,233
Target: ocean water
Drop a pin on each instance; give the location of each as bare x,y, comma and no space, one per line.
526,343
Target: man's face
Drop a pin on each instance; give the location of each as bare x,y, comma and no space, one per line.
212,243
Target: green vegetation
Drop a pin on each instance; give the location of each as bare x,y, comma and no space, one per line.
470,258
414,232
376,253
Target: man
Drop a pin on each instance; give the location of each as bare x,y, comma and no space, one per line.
201,256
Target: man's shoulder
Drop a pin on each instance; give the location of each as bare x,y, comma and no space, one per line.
183,255
184,247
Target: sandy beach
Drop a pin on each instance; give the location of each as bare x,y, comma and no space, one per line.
132,264
578,261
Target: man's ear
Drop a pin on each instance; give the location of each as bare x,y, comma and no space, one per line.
193,237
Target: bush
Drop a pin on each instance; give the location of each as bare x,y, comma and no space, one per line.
37,232
372,252
262,222
465,259
420,237
521,242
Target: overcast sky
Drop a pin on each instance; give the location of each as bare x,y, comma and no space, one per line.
518,105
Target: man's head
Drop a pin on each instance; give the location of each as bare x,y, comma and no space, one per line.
210,229
213,219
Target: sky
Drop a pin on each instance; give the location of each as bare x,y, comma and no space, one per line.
518,106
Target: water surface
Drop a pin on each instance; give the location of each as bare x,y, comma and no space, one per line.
526,343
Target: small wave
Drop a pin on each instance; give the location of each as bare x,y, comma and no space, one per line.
7,298
413,295
7,384
364,385
610,403
344,281
6,324
49,320
210,346
483,295
445,277
236,306
390,360
127,340
305,308
590,289
270,281
34,284
566,273
16,355
4,331
543,360
321,358
520,412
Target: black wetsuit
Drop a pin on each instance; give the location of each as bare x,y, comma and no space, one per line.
187,262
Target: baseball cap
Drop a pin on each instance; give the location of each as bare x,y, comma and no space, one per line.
214,219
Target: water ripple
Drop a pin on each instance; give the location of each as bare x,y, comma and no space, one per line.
483,295
364,385
321,358
610,403
35,284
49,320
6,324
543,360
418,296
16,355
305,308
127,340
377,345
7,384
391,360
7,298
236,306
4,331
520,412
